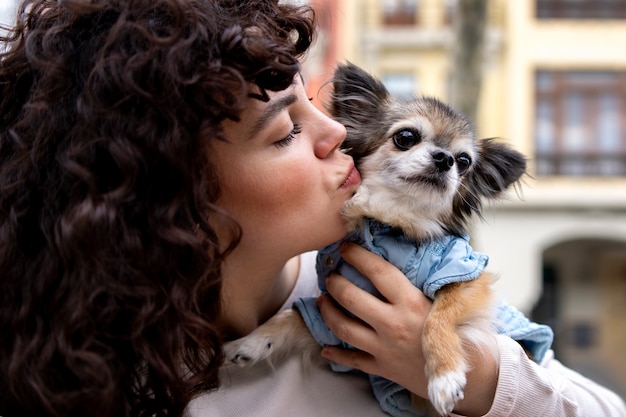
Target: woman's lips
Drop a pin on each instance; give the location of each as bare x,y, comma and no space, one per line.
353,179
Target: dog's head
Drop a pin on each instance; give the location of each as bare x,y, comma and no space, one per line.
418,159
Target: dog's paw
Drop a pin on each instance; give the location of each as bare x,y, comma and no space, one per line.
445,390
249,350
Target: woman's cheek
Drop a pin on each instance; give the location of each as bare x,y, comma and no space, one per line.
294,186
272,190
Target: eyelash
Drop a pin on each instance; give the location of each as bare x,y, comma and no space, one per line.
286,141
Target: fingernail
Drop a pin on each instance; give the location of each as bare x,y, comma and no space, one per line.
325,353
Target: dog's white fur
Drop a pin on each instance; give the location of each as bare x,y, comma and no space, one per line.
427,191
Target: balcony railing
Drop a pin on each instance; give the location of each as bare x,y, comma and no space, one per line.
581,9
583,165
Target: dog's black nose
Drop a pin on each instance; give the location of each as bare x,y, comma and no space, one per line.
443,160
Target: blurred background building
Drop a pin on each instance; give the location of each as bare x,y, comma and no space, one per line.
548,76
552,81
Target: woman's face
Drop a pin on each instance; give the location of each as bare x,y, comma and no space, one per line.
282,176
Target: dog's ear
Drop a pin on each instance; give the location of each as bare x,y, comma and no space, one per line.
358,102
497,167
357,95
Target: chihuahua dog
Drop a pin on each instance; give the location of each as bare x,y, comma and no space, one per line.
423,177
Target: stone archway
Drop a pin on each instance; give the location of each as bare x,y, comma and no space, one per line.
584,300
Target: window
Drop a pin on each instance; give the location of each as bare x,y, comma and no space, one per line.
580,128
581,9
399,12
402,86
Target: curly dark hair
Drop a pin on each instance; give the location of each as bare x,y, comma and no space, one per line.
109,264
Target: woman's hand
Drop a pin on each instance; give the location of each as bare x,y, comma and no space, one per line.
388,333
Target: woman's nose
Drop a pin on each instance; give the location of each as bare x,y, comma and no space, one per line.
330,136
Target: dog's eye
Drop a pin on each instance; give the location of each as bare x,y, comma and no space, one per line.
405,139
463,162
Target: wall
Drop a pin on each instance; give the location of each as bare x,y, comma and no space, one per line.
516,239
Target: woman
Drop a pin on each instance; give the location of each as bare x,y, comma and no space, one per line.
161,171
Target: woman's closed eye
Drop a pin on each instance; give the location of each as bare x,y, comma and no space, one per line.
286,141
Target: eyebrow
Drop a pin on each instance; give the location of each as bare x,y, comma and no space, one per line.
273,108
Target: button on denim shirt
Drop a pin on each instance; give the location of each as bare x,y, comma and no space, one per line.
429,266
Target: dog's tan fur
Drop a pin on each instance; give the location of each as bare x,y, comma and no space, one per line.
401,187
